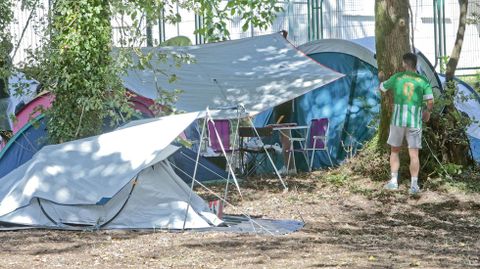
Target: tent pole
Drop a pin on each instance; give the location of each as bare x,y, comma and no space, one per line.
209,118
194,174
233,151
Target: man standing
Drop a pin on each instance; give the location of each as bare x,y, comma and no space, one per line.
410,91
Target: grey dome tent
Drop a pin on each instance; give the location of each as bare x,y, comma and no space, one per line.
33,136
423,64
468,102
119,179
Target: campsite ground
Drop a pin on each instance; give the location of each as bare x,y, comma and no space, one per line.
349,223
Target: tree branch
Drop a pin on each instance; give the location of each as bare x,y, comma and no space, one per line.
457,48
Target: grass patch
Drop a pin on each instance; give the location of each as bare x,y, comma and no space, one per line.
468,182
357,189
337,179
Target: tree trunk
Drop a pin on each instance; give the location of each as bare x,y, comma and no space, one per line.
392,41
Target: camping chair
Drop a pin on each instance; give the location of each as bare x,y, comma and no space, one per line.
223,129
316,139
254,147
214,151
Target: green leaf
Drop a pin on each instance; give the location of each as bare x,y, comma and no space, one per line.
245,27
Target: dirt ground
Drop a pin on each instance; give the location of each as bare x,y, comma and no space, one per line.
356,225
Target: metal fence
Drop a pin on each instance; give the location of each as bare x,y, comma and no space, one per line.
435,25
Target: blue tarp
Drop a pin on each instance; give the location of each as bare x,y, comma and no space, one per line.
184,165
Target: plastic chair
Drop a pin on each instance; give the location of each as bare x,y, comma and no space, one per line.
318,138
223,129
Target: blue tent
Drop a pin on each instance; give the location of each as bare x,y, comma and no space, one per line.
184,165
469,105
468,102
21,147
32,137
424,66
351,103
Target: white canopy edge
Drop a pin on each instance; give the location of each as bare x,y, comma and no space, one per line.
259,73
85,171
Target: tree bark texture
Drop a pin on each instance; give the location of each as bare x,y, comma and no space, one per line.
392,41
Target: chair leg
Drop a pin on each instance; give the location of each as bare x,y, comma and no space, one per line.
290,152
306,161
294,162
328,154
251,165
313,153
305,155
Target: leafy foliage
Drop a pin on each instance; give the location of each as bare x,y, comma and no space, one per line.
445,136
79,69
6,17
216,14
475,15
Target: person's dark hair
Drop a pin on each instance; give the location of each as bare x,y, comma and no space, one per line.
410,59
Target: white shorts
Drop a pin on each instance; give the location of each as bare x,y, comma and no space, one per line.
397,135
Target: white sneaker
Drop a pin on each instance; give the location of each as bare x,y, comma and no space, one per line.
392,186
414,190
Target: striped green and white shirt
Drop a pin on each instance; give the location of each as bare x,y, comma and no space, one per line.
410,90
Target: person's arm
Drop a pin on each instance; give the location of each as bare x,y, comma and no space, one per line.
428,97
385,85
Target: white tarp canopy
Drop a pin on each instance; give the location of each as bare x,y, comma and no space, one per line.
119,179
259,73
